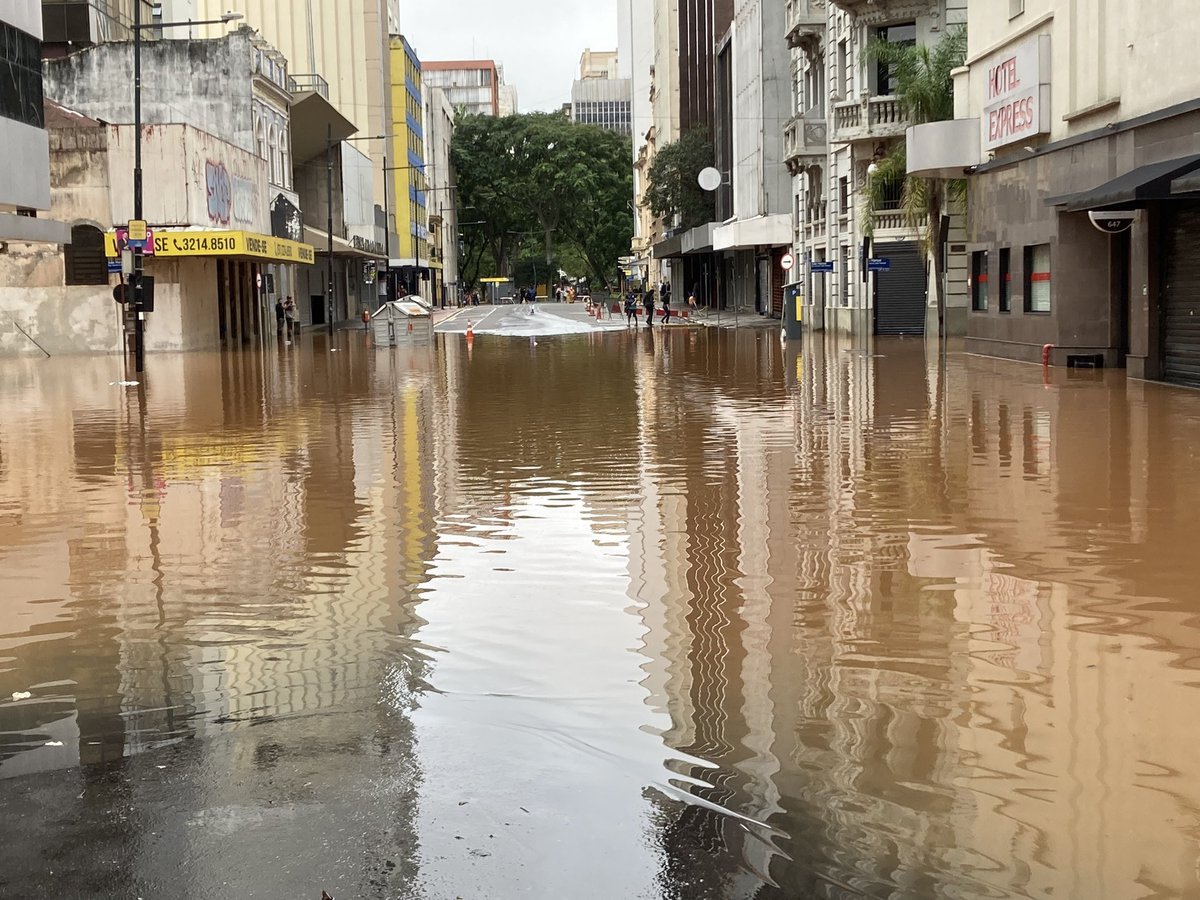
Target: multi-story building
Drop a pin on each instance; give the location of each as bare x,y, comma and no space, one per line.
340,56
604,102
509,105
25,177
472,86
1077,127
71,25
443,216
845,117
751,93
410,263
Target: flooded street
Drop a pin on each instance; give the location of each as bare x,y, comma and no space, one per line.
602,615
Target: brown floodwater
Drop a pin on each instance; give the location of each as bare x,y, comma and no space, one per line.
599,616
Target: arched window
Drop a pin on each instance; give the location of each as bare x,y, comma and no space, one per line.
260,136
285,164
273,153
84,256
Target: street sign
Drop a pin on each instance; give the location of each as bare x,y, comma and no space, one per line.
137,230
821,266
879,264
787,262
114,267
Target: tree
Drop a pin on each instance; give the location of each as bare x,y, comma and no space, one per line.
925,88
545,175
672,190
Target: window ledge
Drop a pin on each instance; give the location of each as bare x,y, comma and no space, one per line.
1110,103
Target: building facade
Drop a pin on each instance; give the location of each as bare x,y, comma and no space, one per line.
25,178
442,199
845,117
1076,124
603,102
410,264
471,86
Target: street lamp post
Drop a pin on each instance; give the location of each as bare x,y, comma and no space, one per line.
136,285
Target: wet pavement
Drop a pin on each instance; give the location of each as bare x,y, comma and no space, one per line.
598,615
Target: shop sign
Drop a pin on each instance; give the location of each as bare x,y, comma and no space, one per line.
1016,93
222,243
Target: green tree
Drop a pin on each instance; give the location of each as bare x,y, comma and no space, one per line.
925,88
542,174
673,190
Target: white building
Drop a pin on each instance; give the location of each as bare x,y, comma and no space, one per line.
1065,112
25,176
598,96
472,85
845,116
443,217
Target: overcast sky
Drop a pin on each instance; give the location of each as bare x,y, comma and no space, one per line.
537,41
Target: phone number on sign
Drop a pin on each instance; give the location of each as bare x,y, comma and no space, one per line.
211,244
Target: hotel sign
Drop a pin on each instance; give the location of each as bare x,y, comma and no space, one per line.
1017,93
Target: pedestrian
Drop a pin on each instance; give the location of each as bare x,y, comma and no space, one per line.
630,309
666,308
693,297
279,317
289,312
648,305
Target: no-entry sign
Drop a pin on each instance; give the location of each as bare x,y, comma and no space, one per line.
787,262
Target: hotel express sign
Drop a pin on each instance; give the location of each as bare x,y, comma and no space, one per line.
1017,93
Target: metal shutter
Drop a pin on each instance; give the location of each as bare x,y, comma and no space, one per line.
900,292
1181,296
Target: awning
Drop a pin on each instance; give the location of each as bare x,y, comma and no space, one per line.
341,247
184,242
1133,189
312,117
668,247
699,239
749,234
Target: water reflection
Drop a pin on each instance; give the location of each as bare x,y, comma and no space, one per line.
677,615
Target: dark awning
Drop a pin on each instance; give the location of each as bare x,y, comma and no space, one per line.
1134,188
314,119
668,247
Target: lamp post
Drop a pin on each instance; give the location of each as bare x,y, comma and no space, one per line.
135,280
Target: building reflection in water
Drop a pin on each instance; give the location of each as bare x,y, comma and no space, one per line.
216,554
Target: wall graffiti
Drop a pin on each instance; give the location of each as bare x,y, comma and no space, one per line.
220,192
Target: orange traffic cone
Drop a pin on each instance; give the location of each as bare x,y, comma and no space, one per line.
470,333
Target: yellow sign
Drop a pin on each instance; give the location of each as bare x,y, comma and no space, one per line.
174,244
137,229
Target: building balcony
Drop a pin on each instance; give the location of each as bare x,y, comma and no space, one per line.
804,136
309,84
880,12
894,223
871,119
805,23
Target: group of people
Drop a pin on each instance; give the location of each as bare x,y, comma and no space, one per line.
285,318
648,303
469,298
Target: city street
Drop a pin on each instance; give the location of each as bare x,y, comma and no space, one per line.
602,615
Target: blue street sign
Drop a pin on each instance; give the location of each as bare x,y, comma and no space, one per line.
878,264
821,266
114,267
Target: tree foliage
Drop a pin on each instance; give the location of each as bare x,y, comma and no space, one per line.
540,176
925,88
673,190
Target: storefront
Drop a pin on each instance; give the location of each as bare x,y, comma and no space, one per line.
216,288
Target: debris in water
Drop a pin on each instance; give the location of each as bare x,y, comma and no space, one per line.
54,743
325,896
124,383
21,695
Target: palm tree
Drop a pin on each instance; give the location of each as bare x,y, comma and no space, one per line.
925,89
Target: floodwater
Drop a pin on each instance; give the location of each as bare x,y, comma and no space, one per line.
598,616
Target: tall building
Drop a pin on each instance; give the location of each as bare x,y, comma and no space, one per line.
410,264
845,117
471,86
25,177
509,105
443,216
598,64
604,102
1077,131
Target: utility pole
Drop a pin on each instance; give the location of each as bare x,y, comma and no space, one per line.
329,225
139,329
387,234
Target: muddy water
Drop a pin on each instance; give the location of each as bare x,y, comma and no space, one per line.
681,616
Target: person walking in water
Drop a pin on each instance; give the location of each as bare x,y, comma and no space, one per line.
666,308
630,309
279,317
648,305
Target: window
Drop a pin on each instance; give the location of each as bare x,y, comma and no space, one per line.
843,196
21,77
904,35
84,256
1037,278
843,69
1015,8
845,273
979,280
1005,277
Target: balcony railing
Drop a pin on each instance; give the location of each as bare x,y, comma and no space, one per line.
877,12
874,117
895,220
309,84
